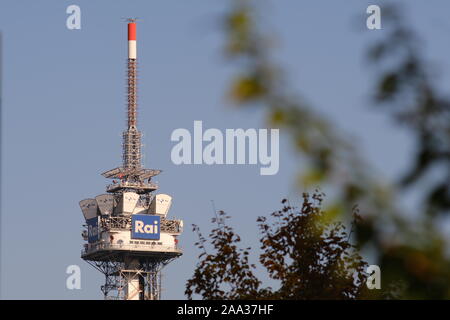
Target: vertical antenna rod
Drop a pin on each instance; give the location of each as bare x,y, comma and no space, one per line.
132,137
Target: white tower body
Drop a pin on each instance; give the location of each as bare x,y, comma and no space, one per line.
129,238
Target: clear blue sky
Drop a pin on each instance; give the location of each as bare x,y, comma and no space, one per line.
64,110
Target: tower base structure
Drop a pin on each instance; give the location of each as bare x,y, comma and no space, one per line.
133,278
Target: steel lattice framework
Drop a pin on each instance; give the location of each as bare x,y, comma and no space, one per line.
132,137
119,275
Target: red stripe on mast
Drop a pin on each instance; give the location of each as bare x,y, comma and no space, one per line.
132,31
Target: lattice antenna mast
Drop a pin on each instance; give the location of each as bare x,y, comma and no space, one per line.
132,137
131,176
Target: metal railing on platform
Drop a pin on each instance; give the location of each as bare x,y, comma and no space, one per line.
130,247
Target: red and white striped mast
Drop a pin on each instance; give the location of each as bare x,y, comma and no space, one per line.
132,39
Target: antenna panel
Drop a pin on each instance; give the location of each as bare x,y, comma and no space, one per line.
89,208
105,203
128,202
160,204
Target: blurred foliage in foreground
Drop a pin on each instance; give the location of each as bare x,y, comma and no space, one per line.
309,254
412,252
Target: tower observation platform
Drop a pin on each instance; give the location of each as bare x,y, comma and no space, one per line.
128,236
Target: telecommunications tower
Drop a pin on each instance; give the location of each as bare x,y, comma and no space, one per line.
129,237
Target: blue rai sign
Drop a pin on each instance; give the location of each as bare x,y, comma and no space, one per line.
145,226
92,225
